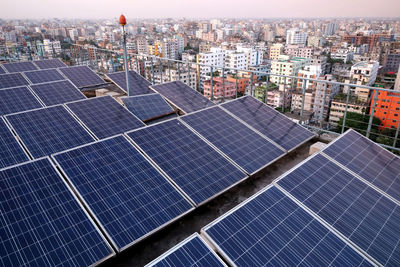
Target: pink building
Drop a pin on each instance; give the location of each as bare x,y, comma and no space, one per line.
218,90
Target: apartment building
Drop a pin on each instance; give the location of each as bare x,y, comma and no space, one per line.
220,88
387,108
323,95
339,107
275,51
296,36
363,73
299,51
183,75
287,66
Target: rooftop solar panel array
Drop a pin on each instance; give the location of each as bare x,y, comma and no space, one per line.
17,99
48,130
360,213
270,229
49,63
139,85
82,76
192,252
60,92
370,161
199,170
182,96
11,152
42,76
12,80
20,66
147,107
269,122
42,223
104,116
247,148
126,194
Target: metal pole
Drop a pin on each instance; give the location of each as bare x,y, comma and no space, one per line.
161,71
302,102
223,83
345,111
237,87
211,84
284,94
128,87
266,90
323,105
397,133
251,84
189,78
152,71
371,117
179,71
137,64
169,70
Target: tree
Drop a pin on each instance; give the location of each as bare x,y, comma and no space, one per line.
359,123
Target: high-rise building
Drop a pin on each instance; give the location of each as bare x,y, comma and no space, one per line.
331,28
275,51
295,36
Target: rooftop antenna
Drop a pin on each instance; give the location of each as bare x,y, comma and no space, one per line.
122,22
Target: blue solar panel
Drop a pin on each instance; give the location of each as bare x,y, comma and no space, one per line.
57,92
247,148
12,80
49,63
104,116
147,107
2,71
270,229
363,215
48,130
182,96
139,85
19,66
17,99
82,76
193,251
128,196
42,76
269,122
11,151
369,160
194,166
42,223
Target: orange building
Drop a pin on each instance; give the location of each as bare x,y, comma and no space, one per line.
387,108
242,83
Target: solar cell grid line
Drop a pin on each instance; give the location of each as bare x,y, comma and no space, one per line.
11,151
182,96
270,229
59,92
372,163
9,80
42,76
197,169
48,130
192,251
247,148
363,216
147,107
269,122
42,222
17,99
104,116
139,84
20,66
82,76
126,194
49,63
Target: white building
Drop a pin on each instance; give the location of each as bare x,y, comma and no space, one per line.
343,54
288,67
295,36
299,51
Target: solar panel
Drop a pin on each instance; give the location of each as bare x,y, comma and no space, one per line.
42,76
200,171
12,80
269,122
360,213
270,229
82,76
19,66
48,130
182,96
11,151
369,160
104,116
54,93
42,223
17,99
192,251
247,148
147,107
49,63
126,194
139,85
2,71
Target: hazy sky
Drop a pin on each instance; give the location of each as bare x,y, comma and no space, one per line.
197,8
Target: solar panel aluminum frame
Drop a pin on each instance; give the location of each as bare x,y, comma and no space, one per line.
181,244
34,63
77,200
81,198
5,70
31,83
123,90
28,156
170,179
83,87
288,151
330,228
23,76
226,156
31,91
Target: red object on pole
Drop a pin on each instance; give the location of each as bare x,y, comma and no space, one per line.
122,20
